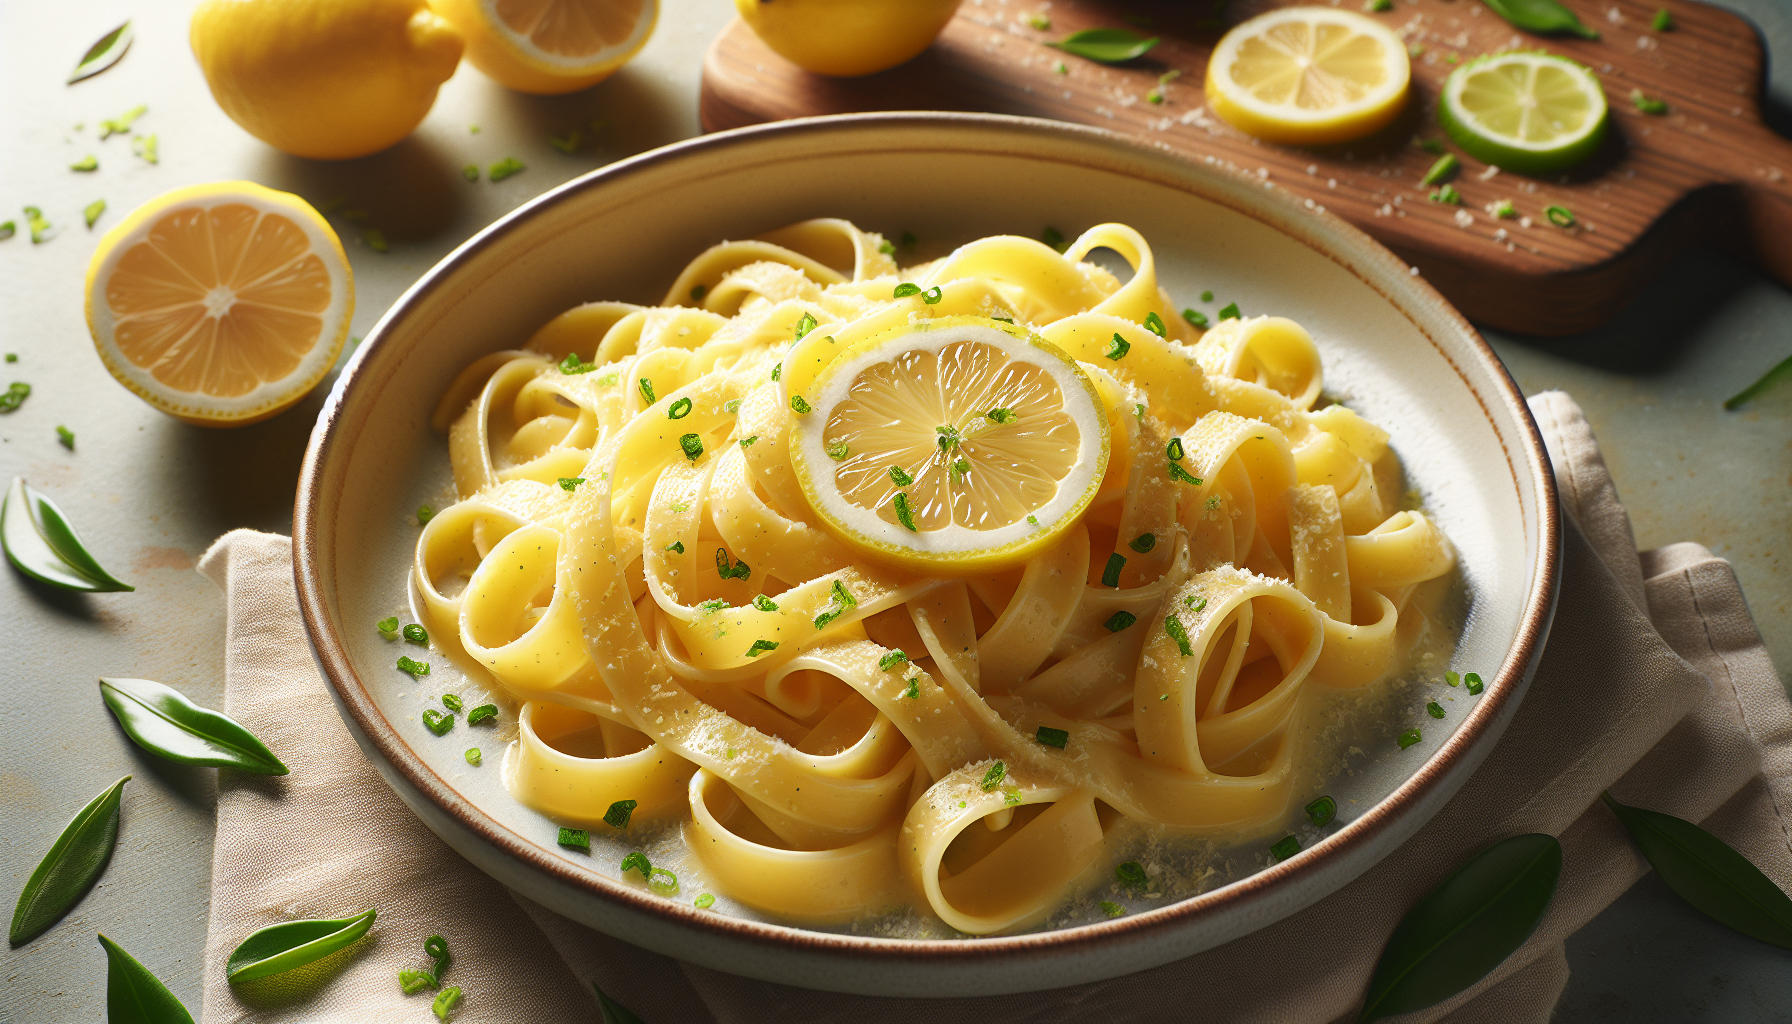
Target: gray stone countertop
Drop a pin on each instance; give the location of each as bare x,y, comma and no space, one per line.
150,493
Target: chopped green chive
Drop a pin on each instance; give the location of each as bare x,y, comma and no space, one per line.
637,861
705,900
646,388
1408,738
474,757
1781,371
1180,475
1195,317
1118,348
1112,909
740,571
1154,96
1213,502
1001,415
508,167
1193,604
1110,573
960,470
1011,797
1663,21
804,326
760,647
146,148
1441,171
65,436
1032,520
777,370
1230,312
1378,6
1004,319
904,514
86,163
415,668
1039,21
1648,104
568,145
413,982
618,814
388,627
1174,449
1132,875
905,289
1143,542
838,451
1447,195
1434,709
994,776
676,547
892,658
898,474
914,688
932,296
1560,216
575,839
764,604
886,247
437,722
747,442
1155,324
416,634
1173,626
691,445
1119,621
572,364
93,210
1047,736
445,1002
40,225
1452,678
1285,847
1504,210
712,605
1473,682
1061,68
679,410
1322,810
1206,296
12,357
731,406
481,713
663,882
799,405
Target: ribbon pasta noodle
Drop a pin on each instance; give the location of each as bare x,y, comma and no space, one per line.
634,557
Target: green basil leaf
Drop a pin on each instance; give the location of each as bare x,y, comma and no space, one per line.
1106,45
612,1011
135,996
103,54
71,867
1465,927
1544,17
279,948
40,543
1778,375
168,725
1719,882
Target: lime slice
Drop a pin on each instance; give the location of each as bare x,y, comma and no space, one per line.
952,445
1534,113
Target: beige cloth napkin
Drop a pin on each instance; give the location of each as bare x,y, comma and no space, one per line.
1654,684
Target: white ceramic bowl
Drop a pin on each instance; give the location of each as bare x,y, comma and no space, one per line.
1392,347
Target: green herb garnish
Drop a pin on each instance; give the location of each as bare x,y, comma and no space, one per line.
1663,21
437,722
471,173
41,229
679,410
904,290
1321,811
804,326
1285,847
164,722
1443,170
1180,475
1648,104
1001,415
691,445
1779,374
764,604
1055,238
415,668
932,296
1143,542
1173,627
1473,682
65,437
73,863
569,144
1105,45
994,776
505,168
1155,324
416,634
1560,216
1047,736
388,627
1446,195
914,688
1132,875
106,52
904,514
1119,621
1112,909
799,405
705,900
279,948
838,451
892,658
452,701
121,124
1110,573
473,756
573,364
481,713
637,861
1408,738
1118,348
1230,312
424,515
86,163
40,542
133,994
445,1002
1196,317
761,647
575,839
1544,17
900,475
1434,709
618,814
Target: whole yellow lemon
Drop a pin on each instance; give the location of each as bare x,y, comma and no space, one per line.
326,79
847,38
549,47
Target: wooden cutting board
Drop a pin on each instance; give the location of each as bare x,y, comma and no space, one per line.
1710,170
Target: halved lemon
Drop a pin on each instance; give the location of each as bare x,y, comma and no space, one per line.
1534,113
220,304
1308,76
951,446
550,46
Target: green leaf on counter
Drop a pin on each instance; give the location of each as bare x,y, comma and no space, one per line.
1466,926
1778,375
40,543
103,54
1105,45
1705,872
134,995
279,948
1544,17
71,867
613,1012
165,723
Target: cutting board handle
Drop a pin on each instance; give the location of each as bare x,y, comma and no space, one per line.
1762,173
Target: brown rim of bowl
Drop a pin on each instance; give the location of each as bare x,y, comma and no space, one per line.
1503,691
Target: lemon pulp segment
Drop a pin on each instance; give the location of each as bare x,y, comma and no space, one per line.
569,30
1528,112
998,442
1308,75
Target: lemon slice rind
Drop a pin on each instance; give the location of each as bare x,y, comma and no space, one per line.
962,547
1288,123
1511,152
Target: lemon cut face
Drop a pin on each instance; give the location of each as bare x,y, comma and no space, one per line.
1309,75
951,445
551,46
1534,113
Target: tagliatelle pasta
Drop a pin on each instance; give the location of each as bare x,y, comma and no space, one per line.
634,558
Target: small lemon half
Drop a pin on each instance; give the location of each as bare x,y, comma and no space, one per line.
846,38
950,446
220,304
549,47
1309,76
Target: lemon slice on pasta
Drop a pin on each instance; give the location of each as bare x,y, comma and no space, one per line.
960,444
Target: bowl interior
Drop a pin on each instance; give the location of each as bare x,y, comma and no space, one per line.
1393,350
